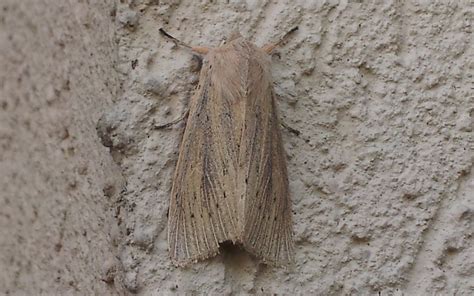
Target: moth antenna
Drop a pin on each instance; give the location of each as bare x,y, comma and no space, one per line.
270,47
290,129
197,49
175,40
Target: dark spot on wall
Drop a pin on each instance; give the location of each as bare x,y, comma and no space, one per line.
134,64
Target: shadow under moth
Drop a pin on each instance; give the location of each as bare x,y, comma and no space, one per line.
231,180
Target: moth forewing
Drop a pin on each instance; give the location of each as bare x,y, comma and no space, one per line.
231,181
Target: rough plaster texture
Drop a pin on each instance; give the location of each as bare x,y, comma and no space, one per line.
58,184
381,175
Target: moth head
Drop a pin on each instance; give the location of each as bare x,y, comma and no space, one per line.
233,36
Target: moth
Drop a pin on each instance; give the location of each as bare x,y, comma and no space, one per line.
231,179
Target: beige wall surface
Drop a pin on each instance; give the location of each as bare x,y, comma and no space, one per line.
381,175
59,185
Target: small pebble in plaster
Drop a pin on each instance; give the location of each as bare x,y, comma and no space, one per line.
144,237
109,270
465,122
109,190
128,18
153,85
130,281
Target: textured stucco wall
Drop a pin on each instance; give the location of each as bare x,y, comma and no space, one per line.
381,175
58,184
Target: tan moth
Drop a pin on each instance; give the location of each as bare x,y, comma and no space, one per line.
231,181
